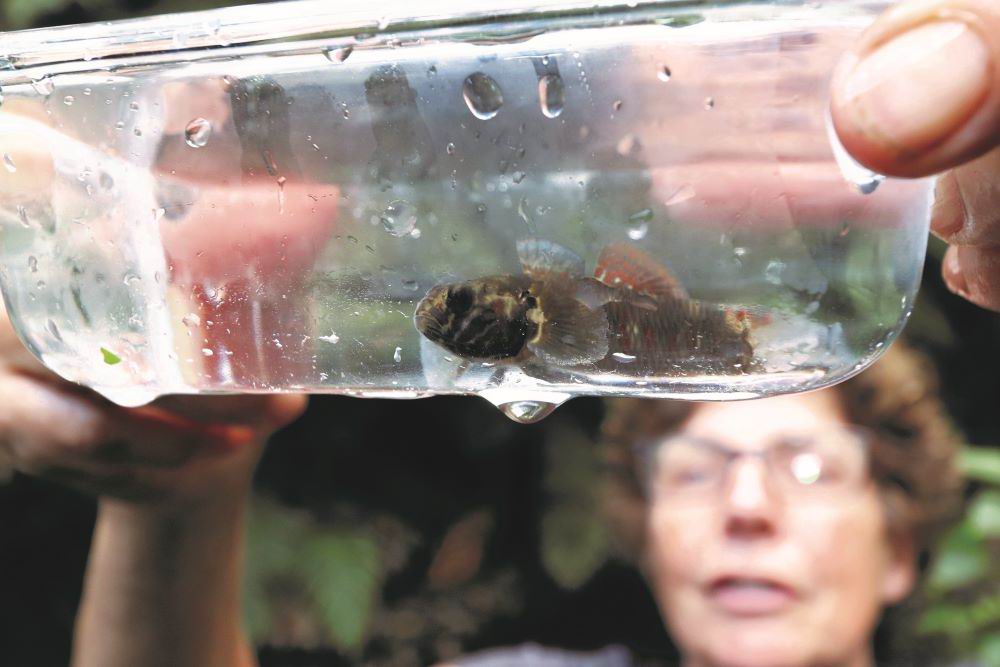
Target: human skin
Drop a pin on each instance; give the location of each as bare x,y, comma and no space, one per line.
811,577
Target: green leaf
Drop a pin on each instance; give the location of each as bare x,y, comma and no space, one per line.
574,545
110,358
962,560
574,537
984,514
944,619
344,575
989,649
981,464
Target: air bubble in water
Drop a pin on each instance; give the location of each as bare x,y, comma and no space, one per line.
397,356
450,148
134,106
8,162
410,285
68,100
22,214
191,320
33,264
518,176
617,105
197,132
207,352
551,95
623,358
709,103
664,74
482,95
628,145
399,218
130,278
43,86
338,55
333,338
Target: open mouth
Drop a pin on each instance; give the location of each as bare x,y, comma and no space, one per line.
750,596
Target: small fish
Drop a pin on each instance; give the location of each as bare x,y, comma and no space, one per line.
555,313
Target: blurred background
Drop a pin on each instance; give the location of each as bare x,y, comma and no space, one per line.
403,533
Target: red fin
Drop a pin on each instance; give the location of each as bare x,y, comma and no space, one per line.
622,265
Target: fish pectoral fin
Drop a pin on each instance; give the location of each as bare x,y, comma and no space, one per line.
541,258
623,265
572,334
594,294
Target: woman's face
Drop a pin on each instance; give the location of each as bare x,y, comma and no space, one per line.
785,560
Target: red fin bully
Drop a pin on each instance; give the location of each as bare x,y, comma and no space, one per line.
622,265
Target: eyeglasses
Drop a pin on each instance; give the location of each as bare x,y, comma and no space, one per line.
803,466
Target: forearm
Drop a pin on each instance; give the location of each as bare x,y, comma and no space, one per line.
163,588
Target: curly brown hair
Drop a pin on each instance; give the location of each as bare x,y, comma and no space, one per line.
913,455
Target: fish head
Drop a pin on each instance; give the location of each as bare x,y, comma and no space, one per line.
486,319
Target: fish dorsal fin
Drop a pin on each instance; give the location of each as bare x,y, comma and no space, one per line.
571,333
540,257
623,265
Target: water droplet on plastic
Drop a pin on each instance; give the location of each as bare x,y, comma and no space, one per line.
410,285
664,74
68,100
33,264
399,218
333,338
623,358
397,356
120,125
22,214
739,251
130,279
527,412
416,233
432,71
281,193
43,86
638,232
551,95
773,271
617,105
134,106
482,95
645,215
338,55
158,214
450,148
518,176
54,330
197,132
137,132
863,179
628,145
191,320
207,352
8,162
709,103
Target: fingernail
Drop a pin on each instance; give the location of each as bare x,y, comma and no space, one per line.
920,87
948,212
951,271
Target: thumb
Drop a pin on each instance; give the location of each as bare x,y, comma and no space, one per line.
920,92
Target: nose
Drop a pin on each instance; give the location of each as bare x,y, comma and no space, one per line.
751,509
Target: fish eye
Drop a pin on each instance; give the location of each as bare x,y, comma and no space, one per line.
459,299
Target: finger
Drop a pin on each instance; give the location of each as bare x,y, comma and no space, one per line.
259,412
967,203
920,92
974,273
44,427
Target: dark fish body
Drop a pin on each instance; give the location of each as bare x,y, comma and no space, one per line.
632,307
680,331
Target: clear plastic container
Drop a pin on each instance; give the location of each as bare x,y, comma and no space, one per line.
525,201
